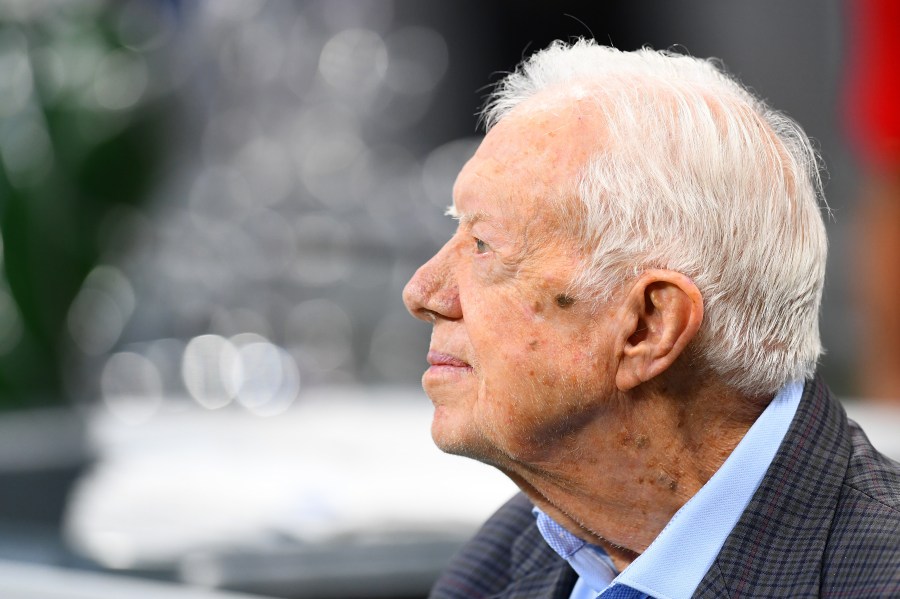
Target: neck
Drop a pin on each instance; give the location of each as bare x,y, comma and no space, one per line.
619,480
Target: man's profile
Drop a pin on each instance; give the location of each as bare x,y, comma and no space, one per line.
626,324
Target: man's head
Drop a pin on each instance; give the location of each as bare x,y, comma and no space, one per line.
628,215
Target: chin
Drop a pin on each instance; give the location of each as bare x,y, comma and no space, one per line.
464,439
449,432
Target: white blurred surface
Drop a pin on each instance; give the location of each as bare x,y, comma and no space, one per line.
341,463
880,422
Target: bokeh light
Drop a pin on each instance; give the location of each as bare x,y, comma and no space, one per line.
354,60
212,371
101,310
120,80
131,387
270,381
16,84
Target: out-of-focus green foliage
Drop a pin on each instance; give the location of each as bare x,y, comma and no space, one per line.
75,143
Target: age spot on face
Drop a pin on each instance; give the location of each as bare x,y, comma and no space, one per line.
564,301
667,481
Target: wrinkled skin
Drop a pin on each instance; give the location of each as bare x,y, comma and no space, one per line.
527,367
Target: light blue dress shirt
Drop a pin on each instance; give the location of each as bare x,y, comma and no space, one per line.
677,560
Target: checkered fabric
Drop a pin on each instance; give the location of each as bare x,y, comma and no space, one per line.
825,522
507,558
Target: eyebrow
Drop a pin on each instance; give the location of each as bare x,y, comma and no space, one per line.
466,218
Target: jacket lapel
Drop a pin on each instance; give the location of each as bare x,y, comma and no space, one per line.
776,548
507,559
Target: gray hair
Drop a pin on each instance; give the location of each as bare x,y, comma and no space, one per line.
698,176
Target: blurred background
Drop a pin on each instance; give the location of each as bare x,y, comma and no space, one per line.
208,210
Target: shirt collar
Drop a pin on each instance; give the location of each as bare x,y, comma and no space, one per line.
592,564
677,560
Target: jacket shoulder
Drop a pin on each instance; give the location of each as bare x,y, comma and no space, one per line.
863,551
824,519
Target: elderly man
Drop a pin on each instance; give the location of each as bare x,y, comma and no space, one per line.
625,323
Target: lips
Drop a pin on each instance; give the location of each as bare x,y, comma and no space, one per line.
436,358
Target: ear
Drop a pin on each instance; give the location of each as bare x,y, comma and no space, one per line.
662,313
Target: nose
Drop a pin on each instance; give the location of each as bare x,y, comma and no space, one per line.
433,292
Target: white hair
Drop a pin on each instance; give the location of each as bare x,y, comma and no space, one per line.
698,176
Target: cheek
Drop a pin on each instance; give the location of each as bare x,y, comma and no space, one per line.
521,374
520,348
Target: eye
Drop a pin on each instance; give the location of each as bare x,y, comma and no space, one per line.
480,246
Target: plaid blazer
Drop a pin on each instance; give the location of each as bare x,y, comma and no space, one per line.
825,522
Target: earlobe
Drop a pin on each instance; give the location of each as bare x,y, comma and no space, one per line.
662,314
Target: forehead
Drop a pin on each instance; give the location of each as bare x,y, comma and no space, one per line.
535,154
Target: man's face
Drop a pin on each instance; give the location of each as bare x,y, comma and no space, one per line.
514,364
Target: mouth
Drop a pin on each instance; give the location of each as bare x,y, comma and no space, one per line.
439,360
